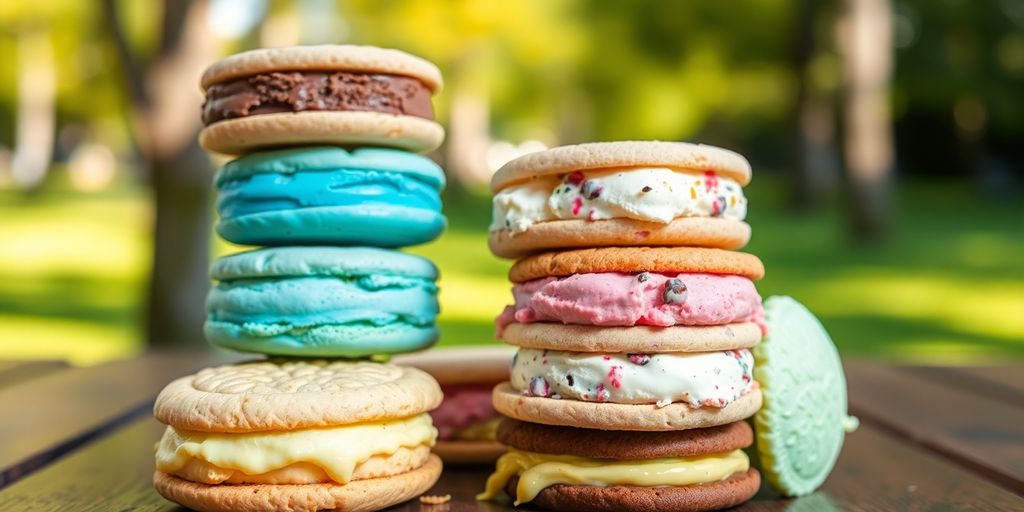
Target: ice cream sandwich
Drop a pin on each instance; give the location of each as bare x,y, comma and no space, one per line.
297,436
566,468
632,193
322,302
343,95
466,420
327,195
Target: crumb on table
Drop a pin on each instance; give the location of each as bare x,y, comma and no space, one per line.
435,500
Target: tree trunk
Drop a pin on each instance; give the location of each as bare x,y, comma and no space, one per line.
36,114
865,40
166,106
814,157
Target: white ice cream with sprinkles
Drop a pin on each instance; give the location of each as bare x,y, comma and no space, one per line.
652,194
713,379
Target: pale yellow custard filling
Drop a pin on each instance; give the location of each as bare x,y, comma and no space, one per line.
336,452
538,471
486,431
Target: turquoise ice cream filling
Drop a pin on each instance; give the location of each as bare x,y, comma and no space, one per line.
343,187
304,302
322,302
330,195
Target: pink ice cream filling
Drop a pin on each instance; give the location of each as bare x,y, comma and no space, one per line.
463,406
618,299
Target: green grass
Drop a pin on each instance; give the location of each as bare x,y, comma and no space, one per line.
946,287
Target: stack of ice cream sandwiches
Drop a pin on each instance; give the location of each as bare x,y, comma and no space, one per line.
328,182
634,317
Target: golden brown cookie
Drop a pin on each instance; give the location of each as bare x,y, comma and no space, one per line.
355,496
267,396
342,95
641,338
628,498
623,154
636,260
567,234
366,59
609,444
348,129
611,416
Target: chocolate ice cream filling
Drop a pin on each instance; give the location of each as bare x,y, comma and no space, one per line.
299,91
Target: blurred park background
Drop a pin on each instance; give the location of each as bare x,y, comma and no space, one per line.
887,139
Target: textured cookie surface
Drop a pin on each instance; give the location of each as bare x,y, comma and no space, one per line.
628,498
635,260
262,396
310,128
602,155
805,399
328,57
565,234
641,338
609,444
355,496
610,416
462,365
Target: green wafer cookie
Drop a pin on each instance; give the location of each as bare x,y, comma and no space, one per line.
803,421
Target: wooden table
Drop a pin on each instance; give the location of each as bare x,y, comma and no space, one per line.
930,439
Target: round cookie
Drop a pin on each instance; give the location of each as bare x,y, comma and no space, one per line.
635,260
356,496
454,366
804,388
466,375
329,195
344,95
628,498
362,58
267,395
609,444
603,155
322,302
568,234
641,338
611,416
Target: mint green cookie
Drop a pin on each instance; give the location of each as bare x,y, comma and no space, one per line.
801,426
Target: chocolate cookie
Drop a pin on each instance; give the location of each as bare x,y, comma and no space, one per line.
609,444
629,498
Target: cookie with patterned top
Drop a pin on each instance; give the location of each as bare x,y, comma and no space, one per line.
344,95
631,193
270,395
804,387
297,435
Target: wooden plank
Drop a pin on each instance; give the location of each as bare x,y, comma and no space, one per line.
1003,383
875,472
973,429
113,473
53,414
14,372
